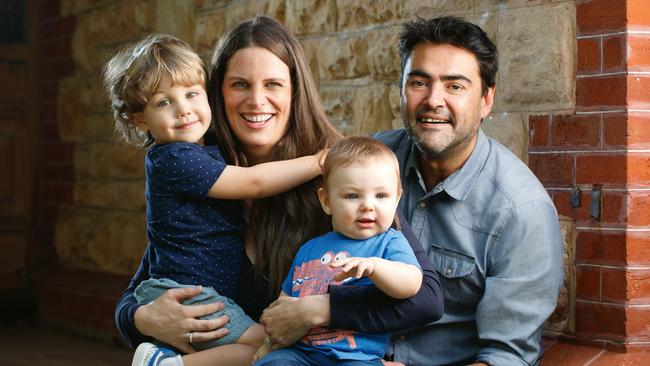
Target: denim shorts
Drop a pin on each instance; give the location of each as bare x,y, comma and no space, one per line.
149,290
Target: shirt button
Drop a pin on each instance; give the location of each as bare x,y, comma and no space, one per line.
448,271
422,204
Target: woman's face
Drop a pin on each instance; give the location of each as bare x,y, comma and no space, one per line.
257,98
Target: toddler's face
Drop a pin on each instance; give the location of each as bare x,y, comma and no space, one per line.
362,198
176,113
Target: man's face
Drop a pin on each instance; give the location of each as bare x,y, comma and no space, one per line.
441,100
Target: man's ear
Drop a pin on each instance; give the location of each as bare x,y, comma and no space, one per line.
324,200
487,101
139,121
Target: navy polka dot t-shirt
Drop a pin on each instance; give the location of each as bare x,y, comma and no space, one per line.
195,240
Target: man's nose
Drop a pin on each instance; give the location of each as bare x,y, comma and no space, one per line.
435,98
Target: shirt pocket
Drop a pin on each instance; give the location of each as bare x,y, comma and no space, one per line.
451,264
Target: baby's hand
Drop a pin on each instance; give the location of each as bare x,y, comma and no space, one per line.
261,352
356,267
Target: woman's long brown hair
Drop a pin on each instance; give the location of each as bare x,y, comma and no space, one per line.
280,224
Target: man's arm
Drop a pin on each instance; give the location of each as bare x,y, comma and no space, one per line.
367,309
523,280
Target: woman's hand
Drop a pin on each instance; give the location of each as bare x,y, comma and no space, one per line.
288,318
171,322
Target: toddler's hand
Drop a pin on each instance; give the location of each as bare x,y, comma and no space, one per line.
356,267
322,155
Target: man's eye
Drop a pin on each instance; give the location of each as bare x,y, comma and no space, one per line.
418,83
456,87
351,196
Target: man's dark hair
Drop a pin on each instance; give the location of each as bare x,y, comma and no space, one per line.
456,32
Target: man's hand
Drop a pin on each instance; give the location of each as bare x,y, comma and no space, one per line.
288,318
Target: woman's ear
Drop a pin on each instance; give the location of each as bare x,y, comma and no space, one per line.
324,200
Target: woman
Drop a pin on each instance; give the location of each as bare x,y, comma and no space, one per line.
266,107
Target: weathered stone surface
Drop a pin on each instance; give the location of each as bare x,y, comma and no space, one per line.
78,99
537,69
73,7
121,194
383,57
311,16
343,58
360,14
175,17
209,27
503,5
563,318
510,129
116,24
363,109
108,160
100,240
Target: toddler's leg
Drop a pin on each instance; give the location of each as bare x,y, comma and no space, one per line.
228,355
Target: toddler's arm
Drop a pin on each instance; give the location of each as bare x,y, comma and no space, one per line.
396,279
266,179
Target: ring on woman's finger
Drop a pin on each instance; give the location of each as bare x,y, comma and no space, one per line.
268,341
191,336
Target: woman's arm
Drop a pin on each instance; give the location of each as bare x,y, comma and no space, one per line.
267,179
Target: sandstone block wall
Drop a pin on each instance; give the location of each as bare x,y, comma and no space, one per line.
351,46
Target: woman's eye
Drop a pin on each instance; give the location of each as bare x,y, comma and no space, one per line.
274,84
239,84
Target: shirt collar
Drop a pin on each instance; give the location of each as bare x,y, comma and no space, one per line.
459,183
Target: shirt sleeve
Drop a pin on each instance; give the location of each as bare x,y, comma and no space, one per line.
367,309
525,275
399,250
185,168
127,305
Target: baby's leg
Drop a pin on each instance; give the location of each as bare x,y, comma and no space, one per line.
253,336
228,355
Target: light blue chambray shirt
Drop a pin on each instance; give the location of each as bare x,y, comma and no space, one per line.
492,233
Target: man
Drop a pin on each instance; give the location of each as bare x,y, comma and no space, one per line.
489,227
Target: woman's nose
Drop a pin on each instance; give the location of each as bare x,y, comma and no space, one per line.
257,97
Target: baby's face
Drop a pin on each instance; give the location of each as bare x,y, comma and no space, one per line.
362,198
176,113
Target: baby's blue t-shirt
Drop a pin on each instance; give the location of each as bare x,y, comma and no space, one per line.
194,239
310,274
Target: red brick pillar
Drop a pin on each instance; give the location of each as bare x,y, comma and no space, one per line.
55,169
604,147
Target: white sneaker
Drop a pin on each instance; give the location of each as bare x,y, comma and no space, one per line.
148,354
